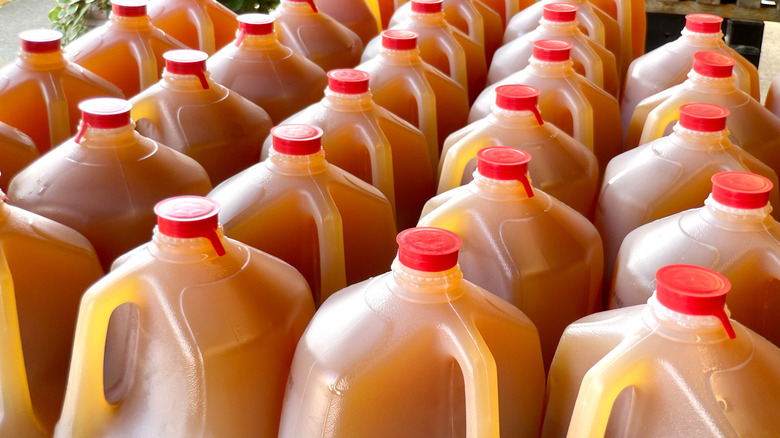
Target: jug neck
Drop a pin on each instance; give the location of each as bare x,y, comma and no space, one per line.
558,28
428,19
131,22
700,82
512,119
500,189
296,8
180,250
266,41
549,69
297,165
400,57
699,140
185,83
700,38
42,61
681,327
348,102
113,138
735,219
425,287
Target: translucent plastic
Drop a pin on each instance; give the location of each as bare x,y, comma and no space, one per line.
534,252
45,268
664,177
383,10
269,74
204,25
772,101
742,244
40,93
593,22
569,101
590,59
630,16
127,51
355,14
375,145
508,8
316,36
669,65
481,375
216,126
404,84
649,371
17,151
205,347
105,186
561,167
444,47
331,226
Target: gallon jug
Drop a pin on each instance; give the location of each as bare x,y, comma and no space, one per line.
562,167
772,101
732,234
559,22
356,15
205,25
669,175
630,16
568,100
592,21
497,215
331,226
317,36
442,46
104,182
754,128
669,64
264,71
194,115
413,90
41,90
208,328
481,375
45,268
371,143
17,150
508,8
676,366
383,10
127,50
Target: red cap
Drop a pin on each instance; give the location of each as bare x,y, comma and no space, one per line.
505,163
562,12
428,249
703,117
187,62
297,139
188,217
103,113
694,290
703,23
348,81
128,8
253,24
310,2
552,50
399,39
741,189
519,98
427,6
41,41
713,64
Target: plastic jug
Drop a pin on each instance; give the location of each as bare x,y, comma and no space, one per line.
209,332
559,22
630,16
413,90
442,46
754,128
40,91
127,50
45,267
317,36
592,21
205,25
669,64
508,8
568,100
674,366
371,143
383,10
481,375
104,182
17,151
355,14
331,226
194,115
772,101
562,167
732,234
669,175
497,215
264,71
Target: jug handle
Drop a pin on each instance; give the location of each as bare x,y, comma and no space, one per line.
204,27
655,124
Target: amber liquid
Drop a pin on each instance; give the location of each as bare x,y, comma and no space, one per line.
200,24
17,151
355,14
